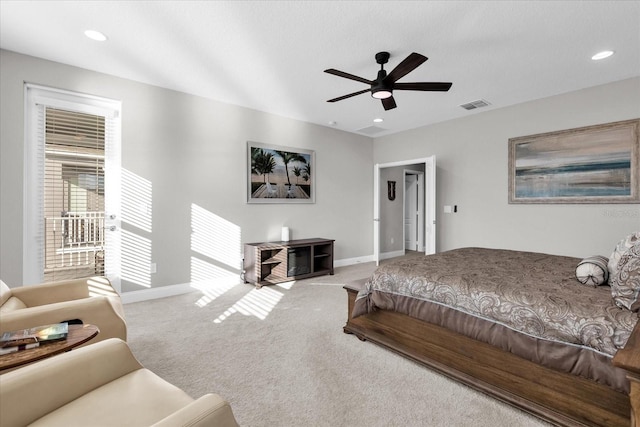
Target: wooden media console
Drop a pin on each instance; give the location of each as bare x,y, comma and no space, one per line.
269,263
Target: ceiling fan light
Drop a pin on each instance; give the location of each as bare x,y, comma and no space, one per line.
602,55
381,93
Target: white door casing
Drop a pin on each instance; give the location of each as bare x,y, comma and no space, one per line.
430,205
376,214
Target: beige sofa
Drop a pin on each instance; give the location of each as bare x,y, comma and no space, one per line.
92,300
102,385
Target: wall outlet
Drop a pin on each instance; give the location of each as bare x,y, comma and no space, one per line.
393,240
153,268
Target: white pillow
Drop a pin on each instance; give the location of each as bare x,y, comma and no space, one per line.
593,271
622,247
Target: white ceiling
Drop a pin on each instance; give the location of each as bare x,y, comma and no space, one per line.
270,55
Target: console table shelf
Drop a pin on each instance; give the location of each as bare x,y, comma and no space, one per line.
269,263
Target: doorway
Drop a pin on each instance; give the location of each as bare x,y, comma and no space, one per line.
428,191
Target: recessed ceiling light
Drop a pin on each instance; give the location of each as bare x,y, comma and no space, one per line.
95,35
378,120
602,55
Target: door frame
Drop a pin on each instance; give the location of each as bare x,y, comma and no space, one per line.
32,244
429,222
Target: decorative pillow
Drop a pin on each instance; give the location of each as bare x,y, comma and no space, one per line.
593,271
622,246
625,285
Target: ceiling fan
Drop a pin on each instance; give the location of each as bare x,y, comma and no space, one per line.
383,86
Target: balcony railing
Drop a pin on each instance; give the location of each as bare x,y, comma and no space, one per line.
75,240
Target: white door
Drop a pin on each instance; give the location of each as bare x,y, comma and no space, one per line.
411,211
414,215
38,99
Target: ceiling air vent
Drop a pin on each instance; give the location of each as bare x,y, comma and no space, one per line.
475,104
371,130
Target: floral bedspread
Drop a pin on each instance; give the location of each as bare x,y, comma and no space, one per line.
533,293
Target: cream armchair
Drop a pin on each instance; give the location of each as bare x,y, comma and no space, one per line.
92,300
102,385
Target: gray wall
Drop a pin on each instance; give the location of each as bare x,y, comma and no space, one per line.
192,151
472,173
391,221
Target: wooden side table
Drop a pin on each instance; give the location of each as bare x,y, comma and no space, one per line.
78,335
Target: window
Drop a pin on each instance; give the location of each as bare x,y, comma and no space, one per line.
73,194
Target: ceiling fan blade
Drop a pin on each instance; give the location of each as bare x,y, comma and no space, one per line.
430,86
409,64
389,103
348,76
340,98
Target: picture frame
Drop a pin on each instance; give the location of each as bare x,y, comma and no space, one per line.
593,164
279,174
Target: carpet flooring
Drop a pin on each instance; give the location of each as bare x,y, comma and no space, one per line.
278,354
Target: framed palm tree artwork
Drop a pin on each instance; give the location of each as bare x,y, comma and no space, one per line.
277,174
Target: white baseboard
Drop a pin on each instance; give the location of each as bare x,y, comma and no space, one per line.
155,293
387,255
352,261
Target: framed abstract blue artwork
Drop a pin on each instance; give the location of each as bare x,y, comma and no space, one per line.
594,164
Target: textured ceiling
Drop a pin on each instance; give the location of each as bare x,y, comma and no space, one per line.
270,56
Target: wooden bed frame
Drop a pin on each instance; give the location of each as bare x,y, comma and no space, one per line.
554,396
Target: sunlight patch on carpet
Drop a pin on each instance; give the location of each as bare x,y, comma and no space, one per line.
257,303
214,288
286,285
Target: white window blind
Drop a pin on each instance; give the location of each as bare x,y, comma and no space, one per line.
74,228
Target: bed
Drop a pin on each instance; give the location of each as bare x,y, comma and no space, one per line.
516,325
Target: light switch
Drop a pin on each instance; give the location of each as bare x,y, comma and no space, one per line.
447,209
